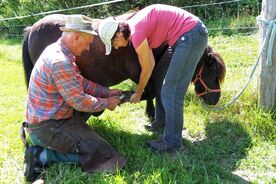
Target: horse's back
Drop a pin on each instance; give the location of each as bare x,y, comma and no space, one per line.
43,33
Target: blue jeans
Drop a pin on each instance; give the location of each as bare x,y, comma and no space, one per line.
187,52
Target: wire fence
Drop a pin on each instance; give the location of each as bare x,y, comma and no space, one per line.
225,24
63,10
12,31
227,21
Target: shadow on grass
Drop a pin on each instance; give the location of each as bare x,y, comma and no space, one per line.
218,155
211,160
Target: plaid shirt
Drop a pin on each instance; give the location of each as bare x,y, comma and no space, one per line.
56,87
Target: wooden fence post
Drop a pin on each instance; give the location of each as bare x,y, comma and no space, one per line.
267,97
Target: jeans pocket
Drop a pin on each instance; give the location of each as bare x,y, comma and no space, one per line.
185,39
57,140
62,142
202,29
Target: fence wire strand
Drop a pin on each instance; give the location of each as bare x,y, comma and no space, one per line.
16,30
63,10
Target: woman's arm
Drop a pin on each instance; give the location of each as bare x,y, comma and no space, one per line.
147,63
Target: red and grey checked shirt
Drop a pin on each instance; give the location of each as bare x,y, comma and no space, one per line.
56,87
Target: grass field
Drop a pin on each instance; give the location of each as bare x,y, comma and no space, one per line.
236,145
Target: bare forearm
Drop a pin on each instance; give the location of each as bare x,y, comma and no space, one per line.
147,63
144,78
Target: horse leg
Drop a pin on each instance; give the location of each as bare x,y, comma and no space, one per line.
157,79
133,70
148,95
150,109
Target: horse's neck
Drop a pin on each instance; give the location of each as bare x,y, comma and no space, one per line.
122,17
126,15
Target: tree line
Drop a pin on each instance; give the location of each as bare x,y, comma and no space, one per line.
13,8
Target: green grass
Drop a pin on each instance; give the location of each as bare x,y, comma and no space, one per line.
230,146
228,25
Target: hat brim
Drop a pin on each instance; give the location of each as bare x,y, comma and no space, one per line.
64,29
108,48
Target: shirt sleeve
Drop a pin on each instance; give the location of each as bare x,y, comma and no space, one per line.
137,38
94,89
66,80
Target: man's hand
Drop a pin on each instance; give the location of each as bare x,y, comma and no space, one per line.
114,92
113,102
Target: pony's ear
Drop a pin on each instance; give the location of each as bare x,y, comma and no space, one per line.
209,49
210,59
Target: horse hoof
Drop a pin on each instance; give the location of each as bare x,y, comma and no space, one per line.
125,96
153,128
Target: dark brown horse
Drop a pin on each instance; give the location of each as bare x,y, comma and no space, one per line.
121,64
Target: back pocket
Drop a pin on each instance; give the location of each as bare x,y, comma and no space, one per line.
203,29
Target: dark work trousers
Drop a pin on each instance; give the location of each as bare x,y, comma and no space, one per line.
71,140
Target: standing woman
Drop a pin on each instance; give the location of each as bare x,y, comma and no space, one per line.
148,29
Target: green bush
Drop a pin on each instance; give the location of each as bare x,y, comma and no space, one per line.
214,14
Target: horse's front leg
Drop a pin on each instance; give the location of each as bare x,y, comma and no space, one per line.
133,69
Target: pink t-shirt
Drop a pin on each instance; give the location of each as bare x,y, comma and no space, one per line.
160,23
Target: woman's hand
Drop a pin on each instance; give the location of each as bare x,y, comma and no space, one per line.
147,62
135,98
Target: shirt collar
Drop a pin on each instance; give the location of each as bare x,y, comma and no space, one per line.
69,55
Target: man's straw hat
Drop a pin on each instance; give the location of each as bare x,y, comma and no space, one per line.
78,23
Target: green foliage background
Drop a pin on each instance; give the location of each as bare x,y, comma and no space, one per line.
214,16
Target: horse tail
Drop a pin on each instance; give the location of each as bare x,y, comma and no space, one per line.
27,62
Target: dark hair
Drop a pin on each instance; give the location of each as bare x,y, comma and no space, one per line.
124,28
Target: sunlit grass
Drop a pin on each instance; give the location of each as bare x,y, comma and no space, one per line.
229,146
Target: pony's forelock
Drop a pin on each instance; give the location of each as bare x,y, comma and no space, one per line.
221,68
